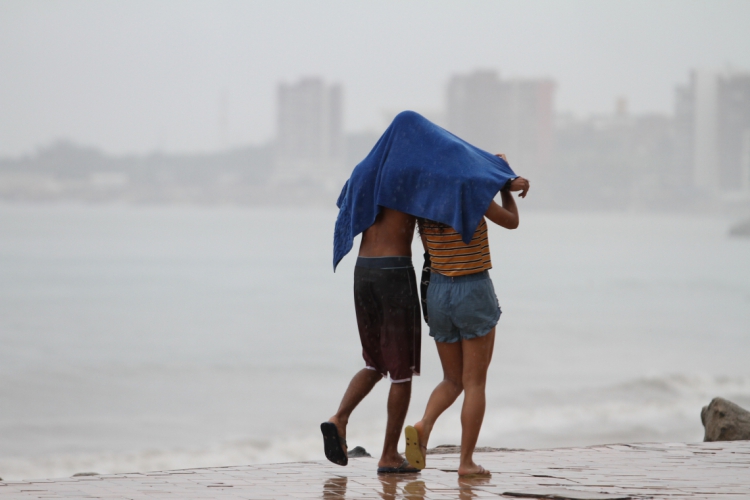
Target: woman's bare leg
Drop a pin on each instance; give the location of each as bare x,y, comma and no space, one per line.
477,354
446,392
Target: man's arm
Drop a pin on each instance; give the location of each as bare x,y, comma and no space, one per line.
424,241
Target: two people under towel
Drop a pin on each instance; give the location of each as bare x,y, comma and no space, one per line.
421,176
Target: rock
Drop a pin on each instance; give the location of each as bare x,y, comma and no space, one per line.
740,229
725,421
84,474
357,452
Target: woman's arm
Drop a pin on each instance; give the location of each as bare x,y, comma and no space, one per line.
507,215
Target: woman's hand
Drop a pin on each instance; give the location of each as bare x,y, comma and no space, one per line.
517,184
520,184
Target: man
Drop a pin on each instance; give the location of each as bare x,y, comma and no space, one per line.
388,317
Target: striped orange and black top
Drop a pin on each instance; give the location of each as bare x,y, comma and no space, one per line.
450,256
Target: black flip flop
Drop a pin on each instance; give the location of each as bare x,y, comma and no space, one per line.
404,468
332,444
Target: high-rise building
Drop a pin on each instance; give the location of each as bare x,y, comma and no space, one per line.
712,119
309,140
682,161
733,132
475,107
515,117
705,128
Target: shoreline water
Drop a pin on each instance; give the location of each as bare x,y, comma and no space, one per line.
664,409
142,339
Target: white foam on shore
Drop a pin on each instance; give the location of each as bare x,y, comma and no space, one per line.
221,454
657,409
663,409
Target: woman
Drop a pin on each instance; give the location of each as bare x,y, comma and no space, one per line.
463,310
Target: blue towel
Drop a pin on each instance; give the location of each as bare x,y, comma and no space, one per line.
420,169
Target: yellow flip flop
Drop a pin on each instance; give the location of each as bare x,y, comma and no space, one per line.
413,451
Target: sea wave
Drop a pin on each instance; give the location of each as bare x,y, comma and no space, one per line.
663,408
238,452
657,408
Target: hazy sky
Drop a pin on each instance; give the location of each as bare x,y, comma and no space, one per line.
136,76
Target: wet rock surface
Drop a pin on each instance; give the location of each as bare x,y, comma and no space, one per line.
725,421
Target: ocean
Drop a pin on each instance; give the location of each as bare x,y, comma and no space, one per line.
148,338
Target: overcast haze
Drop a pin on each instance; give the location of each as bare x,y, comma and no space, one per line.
140,76
179,310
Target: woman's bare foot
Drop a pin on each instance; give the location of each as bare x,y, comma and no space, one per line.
473,470
423,436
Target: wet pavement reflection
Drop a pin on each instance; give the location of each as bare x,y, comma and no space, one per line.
652,470
469,487
334,488
397,486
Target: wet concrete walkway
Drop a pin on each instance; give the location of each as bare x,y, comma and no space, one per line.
704,470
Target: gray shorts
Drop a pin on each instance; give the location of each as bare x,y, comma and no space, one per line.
461,307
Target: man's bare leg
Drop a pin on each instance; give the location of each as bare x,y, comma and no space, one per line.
398,405
360,386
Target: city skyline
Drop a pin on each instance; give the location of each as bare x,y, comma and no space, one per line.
699,155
